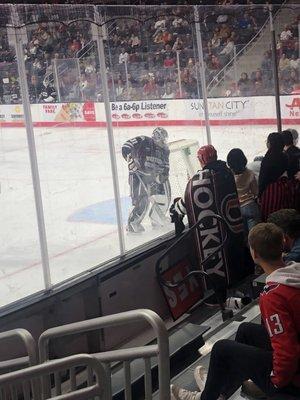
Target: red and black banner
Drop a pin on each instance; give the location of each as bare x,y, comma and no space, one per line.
214,192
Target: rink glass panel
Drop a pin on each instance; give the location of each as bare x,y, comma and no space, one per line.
143,75
20,259
74,160
161,65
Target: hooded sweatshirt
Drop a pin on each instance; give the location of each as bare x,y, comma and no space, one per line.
280,309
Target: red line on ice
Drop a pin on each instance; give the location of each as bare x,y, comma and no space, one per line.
57,255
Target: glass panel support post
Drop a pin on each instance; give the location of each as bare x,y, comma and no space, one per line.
97,36
18,34
275,70
298,39
202,73
179,72
56,79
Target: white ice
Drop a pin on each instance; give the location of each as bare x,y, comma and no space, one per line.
74,168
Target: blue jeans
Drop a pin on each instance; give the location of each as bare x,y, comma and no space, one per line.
251,216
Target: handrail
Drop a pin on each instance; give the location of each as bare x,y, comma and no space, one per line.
168,284
32,373
31,359
123,318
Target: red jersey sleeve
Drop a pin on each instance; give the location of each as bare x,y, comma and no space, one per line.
284,337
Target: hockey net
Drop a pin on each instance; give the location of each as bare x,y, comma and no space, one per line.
183,164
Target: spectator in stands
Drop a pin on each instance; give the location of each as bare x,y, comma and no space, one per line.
289,221
267,354
34,88
134,41
150,89
168,92
295,62
258,89
123,57
286,34
266,66
247,25
247,188
284,63
215,41
169,62
227,51
244,85
160,24
293,153
119,88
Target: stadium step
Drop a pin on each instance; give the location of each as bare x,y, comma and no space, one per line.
184,344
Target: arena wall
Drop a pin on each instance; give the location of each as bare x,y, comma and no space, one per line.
223,111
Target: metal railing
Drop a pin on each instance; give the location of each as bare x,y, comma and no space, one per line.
159,350
226,314
16,336
19,383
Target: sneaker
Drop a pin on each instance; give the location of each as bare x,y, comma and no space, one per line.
237,303
250,390
200,375
178,393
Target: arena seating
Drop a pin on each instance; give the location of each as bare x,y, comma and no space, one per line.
150,55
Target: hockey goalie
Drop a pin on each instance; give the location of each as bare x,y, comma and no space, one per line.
211,191
148,165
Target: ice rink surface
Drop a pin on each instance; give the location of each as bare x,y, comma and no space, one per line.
77,191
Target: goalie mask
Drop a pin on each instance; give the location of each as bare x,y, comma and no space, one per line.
160,135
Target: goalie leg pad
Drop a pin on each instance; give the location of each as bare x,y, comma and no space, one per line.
140,200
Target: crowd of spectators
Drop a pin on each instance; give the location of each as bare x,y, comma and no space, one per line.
153,61
261,82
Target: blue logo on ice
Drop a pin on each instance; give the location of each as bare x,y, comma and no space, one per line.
102,213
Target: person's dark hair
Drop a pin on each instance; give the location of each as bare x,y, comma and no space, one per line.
237,161
288,139
288,220
267,241
275,141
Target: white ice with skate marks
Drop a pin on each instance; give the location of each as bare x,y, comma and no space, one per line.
75,174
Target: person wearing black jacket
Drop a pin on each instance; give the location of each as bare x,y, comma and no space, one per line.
274,163
276,190
292,152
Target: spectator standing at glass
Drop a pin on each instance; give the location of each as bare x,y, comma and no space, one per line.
247,188
293,153
276,191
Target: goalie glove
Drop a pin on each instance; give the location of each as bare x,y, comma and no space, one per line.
132,165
